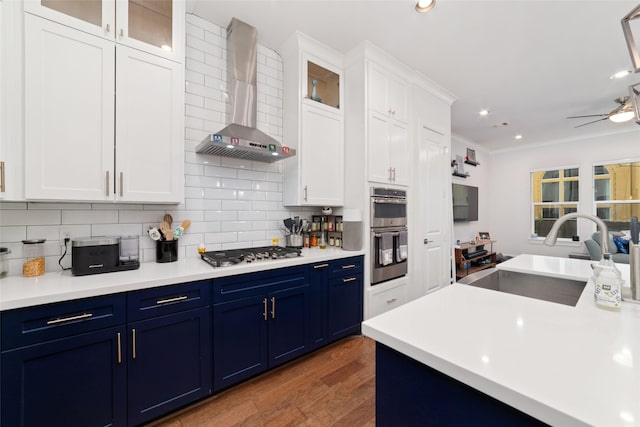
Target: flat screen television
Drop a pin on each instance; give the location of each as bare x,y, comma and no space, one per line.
465,202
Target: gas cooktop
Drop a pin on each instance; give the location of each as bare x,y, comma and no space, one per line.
231,257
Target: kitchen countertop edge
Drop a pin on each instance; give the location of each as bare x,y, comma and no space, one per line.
20,292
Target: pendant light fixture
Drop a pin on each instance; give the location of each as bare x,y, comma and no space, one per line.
425,5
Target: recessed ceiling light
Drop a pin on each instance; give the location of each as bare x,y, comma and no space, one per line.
425,5
620,74
483,112
518,136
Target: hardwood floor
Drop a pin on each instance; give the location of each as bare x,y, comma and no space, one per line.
335,386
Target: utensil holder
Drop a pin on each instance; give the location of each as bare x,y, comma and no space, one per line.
294,240
166,250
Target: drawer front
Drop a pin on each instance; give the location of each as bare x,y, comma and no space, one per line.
154,302
252,284
346,266
42,323
387,299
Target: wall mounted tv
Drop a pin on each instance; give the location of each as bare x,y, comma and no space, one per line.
465,202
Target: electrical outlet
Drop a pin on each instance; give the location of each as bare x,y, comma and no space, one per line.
65,233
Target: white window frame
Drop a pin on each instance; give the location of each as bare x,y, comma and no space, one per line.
532,220
597,203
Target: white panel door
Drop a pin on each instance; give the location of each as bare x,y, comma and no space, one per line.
378,149
322,151
377,88
399,153
435,207
95,17
149,128
398,94
69,102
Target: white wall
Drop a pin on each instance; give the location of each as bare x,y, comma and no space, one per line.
232,202
510,203
479,176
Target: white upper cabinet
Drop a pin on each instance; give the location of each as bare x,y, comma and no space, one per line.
313,123
103,122
11,102
388,92
155,26
149,130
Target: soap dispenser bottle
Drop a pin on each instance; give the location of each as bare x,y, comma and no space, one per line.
608,284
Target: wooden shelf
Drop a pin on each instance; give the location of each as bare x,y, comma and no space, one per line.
466,264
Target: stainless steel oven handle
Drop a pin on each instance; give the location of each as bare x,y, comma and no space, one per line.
394,201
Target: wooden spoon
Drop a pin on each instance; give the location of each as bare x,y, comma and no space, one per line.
168,218
164,227
168,235
186,223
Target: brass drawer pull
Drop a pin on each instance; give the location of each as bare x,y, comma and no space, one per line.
134,342
2,186
264,309
168,300
349,279
119,349
107,184
69,319
273,307
319,266
345,267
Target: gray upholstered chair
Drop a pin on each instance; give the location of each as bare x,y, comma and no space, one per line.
593,247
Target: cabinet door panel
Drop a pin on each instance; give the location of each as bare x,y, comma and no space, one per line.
378,149
94,17
288,324
75,381
399,98
399,153
377,89
172,365
323,157
345,305
239,340
149,117
69,87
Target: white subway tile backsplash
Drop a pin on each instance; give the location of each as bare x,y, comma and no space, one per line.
130,217
221,237
220,215
235,226
220,194
118,229
90,216
248,236
236,205
30,217
219,171
13,234
49,232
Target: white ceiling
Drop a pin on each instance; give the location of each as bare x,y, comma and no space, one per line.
531,63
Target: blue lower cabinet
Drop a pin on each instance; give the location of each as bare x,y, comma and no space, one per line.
239,340
345,295
168,362
289,324
75,381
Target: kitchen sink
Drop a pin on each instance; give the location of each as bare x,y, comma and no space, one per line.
552,289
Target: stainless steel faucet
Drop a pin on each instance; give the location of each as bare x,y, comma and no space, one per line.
551,238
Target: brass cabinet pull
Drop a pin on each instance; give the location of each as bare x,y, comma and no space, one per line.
273,307
107,193
121,183
107,28
394,174
168,300
390,179
119,349
319,266
2,188
134,342
392,300
69,319
121,32
345,267
264,309
349,279
305,193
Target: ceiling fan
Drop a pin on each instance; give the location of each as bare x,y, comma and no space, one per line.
622,113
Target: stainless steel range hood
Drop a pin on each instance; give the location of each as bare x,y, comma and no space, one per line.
241,138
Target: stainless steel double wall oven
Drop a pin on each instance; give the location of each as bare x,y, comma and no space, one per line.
389,234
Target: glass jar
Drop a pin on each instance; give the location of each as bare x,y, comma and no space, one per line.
33,252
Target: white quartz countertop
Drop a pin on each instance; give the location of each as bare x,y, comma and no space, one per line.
563,365
18,292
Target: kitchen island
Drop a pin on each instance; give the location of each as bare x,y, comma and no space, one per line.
465,353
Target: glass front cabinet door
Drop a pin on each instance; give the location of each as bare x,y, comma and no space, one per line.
154,26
